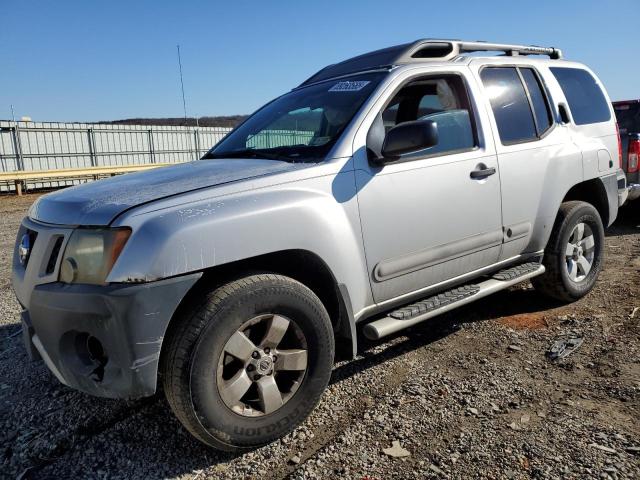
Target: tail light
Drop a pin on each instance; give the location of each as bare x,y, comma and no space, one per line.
634,153
619,146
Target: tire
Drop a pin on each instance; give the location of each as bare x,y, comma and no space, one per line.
565,278
197,359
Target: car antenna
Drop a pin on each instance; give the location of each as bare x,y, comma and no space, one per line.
184,103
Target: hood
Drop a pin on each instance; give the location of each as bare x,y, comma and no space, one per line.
100,202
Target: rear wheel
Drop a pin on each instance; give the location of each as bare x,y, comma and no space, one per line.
575,253
250,363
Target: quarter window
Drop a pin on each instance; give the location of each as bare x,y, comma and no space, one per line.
586,100
541,111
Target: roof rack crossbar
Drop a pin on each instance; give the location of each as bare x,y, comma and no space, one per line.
469,47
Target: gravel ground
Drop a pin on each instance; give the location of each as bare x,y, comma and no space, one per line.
467,395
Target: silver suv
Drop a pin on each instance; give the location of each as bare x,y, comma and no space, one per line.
381,192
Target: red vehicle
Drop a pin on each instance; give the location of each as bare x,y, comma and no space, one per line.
628,114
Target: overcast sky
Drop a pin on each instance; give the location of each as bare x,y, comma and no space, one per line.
89,61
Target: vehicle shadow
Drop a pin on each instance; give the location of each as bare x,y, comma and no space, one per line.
628,221
143,438
501,304
48,430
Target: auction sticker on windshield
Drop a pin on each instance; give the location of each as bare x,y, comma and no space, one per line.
349,86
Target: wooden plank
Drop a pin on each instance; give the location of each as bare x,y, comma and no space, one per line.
75,172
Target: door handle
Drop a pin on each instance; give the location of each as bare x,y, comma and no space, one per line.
482,173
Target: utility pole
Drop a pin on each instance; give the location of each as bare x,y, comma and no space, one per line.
184,103
13,117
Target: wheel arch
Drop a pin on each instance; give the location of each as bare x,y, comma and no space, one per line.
593,192
304,266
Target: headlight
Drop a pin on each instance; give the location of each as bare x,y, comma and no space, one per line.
90,254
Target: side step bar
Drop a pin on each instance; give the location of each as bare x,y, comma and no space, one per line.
430,307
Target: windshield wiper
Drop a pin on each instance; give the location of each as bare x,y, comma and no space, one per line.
249,153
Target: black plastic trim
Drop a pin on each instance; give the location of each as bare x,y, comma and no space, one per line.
129,321
515,272
347,329
435,302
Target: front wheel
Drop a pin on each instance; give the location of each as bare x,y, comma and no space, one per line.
250,363
575,253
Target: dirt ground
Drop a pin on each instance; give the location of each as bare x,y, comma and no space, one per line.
467,395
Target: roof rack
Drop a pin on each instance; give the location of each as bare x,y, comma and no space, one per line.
425,50
448,49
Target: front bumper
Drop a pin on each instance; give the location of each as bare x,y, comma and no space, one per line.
103,340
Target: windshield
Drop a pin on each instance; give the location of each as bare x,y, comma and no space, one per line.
301,125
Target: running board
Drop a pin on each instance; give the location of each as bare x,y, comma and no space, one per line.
430,307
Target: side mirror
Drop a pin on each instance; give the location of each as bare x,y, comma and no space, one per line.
409,137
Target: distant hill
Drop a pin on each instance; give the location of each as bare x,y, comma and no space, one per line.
222,121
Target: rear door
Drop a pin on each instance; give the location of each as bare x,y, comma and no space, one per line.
538,161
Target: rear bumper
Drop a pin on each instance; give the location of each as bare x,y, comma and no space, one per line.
623,190
615,187
103,340
634,191
633,178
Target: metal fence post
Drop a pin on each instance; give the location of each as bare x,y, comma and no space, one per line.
17,147
197,140
152,154
92,148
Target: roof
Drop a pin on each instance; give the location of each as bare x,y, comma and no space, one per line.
423,51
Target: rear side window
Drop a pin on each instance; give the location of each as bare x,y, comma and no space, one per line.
586,100
510,104
541,111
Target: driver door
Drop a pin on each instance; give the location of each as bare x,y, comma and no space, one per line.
427,218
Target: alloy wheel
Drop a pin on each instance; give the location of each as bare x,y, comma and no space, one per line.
580,252
262,365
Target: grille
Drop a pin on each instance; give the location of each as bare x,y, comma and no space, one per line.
55,252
